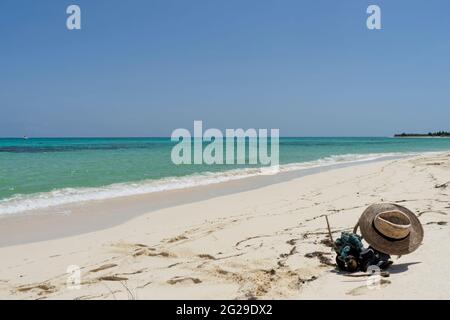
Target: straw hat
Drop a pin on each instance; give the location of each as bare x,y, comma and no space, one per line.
390,228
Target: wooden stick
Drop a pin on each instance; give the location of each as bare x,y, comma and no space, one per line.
329,232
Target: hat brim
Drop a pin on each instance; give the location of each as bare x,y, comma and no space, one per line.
388,245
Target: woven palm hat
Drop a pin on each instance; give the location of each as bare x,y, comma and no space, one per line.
391,229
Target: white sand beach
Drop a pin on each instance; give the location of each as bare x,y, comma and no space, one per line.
266,243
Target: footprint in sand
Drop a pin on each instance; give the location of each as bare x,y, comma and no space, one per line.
151,252
112,278
104,267
179,280
366,289
176,239
45,288
206,256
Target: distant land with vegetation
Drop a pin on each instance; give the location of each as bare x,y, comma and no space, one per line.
438,134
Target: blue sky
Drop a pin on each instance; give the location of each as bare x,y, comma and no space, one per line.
145,68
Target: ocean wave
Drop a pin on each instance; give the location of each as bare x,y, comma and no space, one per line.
21,203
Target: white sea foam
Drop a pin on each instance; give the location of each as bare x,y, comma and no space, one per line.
21,203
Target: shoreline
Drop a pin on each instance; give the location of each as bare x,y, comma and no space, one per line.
88,216
60,197
264,243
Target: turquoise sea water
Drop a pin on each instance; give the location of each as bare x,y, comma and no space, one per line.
37,173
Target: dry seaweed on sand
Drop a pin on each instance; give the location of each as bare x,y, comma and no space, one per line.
321,256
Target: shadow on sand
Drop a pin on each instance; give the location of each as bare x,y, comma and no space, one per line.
401,267
393,269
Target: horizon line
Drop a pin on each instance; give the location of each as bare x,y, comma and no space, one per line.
168,137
